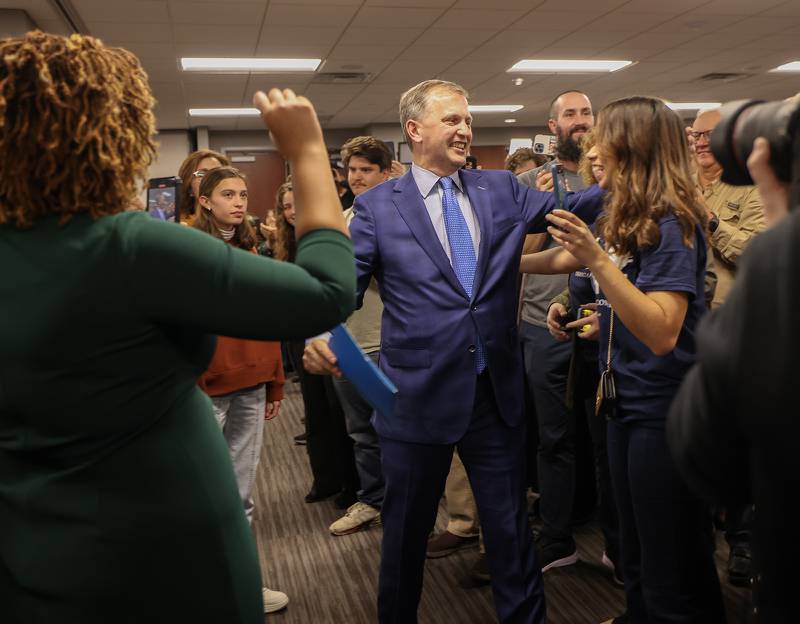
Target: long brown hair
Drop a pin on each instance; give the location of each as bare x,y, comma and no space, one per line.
244,235
188,167
652,177
76,128
285,241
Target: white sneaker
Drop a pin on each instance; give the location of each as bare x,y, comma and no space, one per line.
358,516
273,600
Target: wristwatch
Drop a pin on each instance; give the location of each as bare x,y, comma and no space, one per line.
713,224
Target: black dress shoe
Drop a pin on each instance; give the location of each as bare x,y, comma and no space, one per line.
315,495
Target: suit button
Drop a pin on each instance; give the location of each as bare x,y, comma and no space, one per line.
472,349
474,308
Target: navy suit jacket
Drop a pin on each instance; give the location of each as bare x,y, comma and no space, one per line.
430,327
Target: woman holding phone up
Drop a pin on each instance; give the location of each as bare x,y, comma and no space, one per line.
648,267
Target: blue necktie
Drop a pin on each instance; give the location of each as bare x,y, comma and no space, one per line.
462,251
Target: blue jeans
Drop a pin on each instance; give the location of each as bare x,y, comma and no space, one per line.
357,415
240,414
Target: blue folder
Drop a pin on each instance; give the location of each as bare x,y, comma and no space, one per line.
374,387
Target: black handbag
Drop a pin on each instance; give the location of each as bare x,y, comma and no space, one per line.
605,402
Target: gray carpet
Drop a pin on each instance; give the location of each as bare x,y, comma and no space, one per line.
333,580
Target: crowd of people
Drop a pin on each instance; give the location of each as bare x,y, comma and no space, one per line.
515,322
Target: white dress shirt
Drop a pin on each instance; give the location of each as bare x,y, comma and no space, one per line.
431,190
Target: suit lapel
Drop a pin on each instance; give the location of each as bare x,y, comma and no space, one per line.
409,203
482,206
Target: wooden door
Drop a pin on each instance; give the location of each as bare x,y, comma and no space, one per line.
264,176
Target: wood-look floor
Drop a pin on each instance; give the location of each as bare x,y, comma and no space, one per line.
333,580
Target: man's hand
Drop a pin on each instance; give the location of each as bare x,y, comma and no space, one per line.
774,193
690,139
318,359
544,181
273,407
554,315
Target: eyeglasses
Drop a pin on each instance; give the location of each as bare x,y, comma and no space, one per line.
705,134
200,173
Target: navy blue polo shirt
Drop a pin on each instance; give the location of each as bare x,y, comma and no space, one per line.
645,382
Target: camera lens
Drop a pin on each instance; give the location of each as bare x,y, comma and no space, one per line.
741,123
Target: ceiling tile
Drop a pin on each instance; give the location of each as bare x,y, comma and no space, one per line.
216,13
151,12
396,17
478,18
111,32
218,34
380,36
331,16
279,35
458,37
346,50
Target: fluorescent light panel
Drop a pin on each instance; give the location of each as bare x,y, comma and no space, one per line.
223,112
684,106
794,66
266,65
494,108
567,66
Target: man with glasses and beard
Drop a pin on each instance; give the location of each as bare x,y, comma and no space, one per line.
547,361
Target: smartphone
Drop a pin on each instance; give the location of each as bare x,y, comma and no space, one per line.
559,184
163,199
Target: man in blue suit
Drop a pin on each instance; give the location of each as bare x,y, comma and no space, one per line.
444,245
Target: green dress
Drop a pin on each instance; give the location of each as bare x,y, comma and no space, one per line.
118,501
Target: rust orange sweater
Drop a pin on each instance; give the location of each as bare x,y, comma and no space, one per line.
239,364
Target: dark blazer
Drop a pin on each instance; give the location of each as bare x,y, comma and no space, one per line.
430,327
734,428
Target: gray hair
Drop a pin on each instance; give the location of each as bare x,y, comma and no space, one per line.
414,101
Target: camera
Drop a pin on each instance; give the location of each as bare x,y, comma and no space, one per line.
742,122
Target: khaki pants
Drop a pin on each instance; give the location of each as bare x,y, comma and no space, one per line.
460,502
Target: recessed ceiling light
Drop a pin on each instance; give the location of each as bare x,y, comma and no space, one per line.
567,66
519,81
688,106
494,108
794,66
510,120
266,65
223,112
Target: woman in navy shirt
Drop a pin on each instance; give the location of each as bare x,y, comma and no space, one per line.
648,268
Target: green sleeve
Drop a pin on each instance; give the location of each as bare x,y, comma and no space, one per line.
184,277
562,298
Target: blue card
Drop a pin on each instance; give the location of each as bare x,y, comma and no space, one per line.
370,381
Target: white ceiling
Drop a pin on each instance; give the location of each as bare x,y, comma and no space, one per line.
473,42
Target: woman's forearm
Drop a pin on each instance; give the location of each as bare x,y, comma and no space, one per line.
655,318
316,201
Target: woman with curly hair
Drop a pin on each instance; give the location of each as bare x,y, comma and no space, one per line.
647,269
118,500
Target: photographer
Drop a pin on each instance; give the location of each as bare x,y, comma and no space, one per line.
729,428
